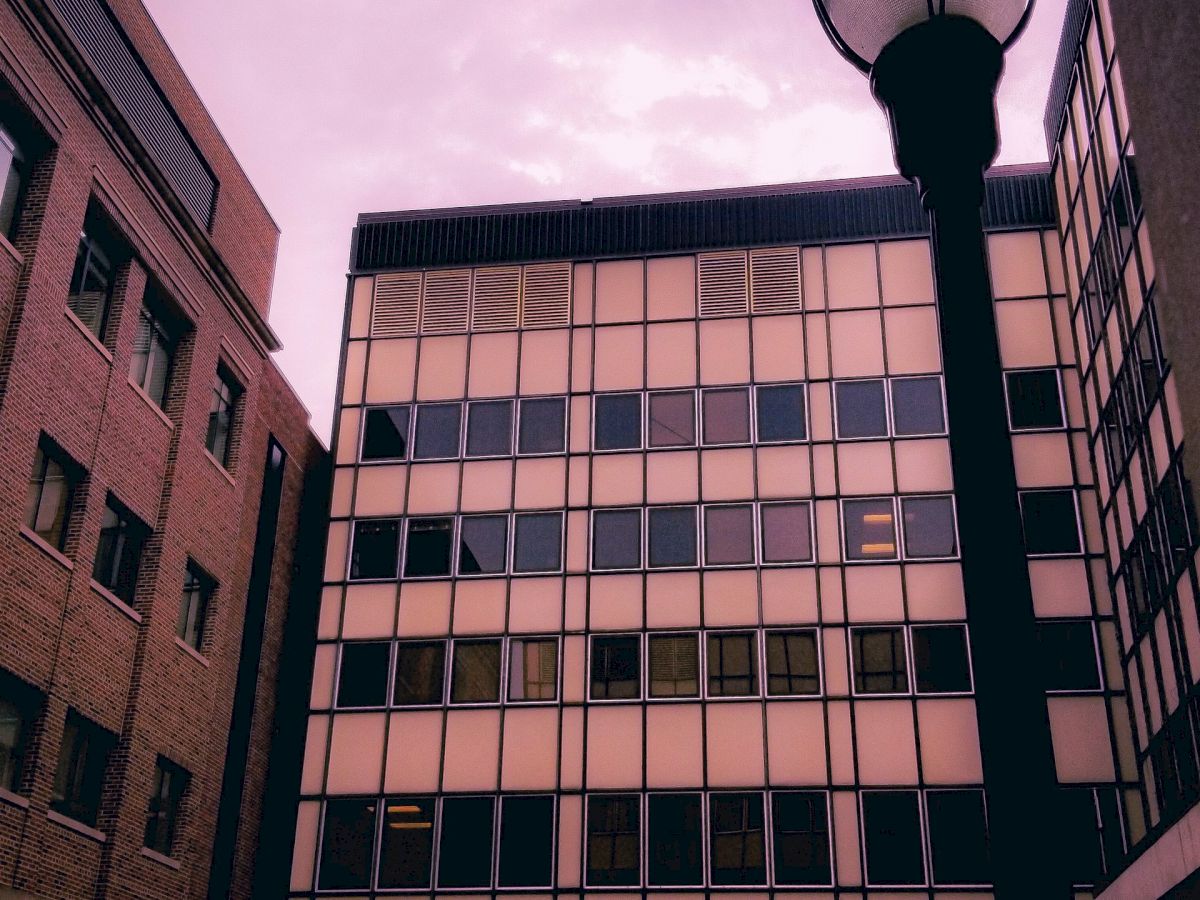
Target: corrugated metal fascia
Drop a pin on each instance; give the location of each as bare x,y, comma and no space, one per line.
1064,64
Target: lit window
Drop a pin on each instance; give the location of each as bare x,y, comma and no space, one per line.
780,413
347,842
1067,653
880,664
420,673
90,293
917,406
929,527
958,840
532,669
526,841
465,850
376,549
82,765
438,427
672,536
119,551
792,663
537,542
870,529
726,415
482,545
728,535
489,428
362,678
737,843
616,669
406,848
618,421
892,836
427,549
940,661
162,816
786,532
543,425
20,705
617,539
475,676
1034,399
1051,522
861,409
674,665
385,433
613,840
732,664
674,851
193,606
672,419
800,822
221,414
50,494
153,350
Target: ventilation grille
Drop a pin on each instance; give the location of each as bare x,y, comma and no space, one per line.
723,284
445,301
497,298
397,304
775,279
546,295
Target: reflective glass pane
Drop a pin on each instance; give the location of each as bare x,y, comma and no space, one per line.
861,409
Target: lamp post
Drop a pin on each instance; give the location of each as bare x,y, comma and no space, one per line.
934,66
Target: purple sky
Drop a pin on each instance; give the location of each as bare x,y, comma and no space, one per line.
336,108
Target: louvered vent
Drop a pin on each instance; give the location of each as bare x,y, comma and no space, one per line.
445,301
397,301
546,295
723,284
496,296
775,279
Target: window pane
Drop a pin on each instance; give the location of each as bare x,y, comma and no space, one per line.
1050,521
801,828
616,673
880,666
385,434
91,284
362,680
476,677
533,669
732,665
482,545
537,544
1034,399
958,837
674,665
781,413
427,551
673,419
618,421
347,842
792,663
861,409
673,848
613,840
119,551
526,841
406,851
917,406
82,766
420,671
929,527
737,845
48,499
20,706
376,549
438,428
489,428
940,659
786,533
726,416
193,607
1067,652
728,535
617,539
162,813
465,850
870,529
672,536
543,425
892,832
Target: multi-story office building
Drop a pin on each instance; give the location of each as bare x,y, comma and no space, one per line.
154,464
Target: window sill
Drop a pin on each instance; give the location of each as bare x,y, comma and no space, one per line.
13,252
53,552
149,401
160,858
75,825
7,796
87,333
220,468
116,601
192,652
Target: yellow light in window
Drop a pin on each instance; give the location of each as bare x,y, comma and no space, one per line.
393,810
409,825
878,518
878,548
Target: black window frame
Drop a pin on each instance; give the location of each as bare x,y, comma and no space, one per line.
46,453
99,254
602,661
81,775
160,329
165,808
119,550
195,605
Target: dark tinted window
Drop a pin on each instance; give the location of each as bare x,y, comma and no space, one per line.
20,705
420,672
50,494
489,428
465,850
618,421
482,545
347,842
674,665
892,832
786,533
613,840
958,841
870,529
726,416
526,841
406,851
673,419
1051,522
861,409
672,536
82,766
617,539
119,551
737,844
1091,833
616,669
222,412
917,406
376,548
385,434
929,528
476,676
1067,653
438,426
940,661
728,535
362,679
166,801
673,848
427,550
537,543
543,425
792,663
880,666
800,821
1034,399
732,664
781,413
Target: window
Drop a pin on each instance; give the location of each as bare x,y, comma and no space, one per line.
1092,833
917,406
1034,399
476,674
543,425
732,664
406,849
737,844
780,412
465,850
892,835
347,842
616,668
82,764
613,840
728,535
193,605
674,665
376,549
1051,522
385,433
20,705
13,175
786,532
50,496
162,815
362,679
438,427
672,536
940,661
958,841
153,349
526,841
800,822
489,428
427,550
119,551
726,415
532,669
221,413
420,673
90,294
880,665
674,851
537,542
861,409
672,419
482,545
929,527
793,667
617,539
870,529
618,421
1067,653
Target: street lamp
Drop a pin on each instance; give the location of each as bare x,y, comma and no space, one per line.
934,66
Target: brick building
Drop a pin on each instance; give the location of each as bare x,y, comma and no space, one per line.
158,468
